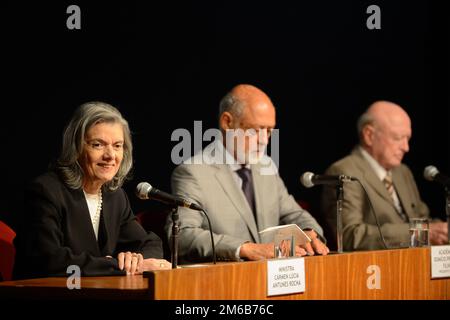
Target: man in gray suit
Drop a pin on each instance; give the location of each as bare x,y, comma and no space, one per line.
384,131
239,187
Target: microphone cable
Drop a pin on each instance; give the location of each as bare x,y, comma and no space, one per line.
211,234
374,214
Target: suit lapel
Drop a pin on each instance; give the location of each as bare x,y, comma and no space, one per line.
225,179
82,224
104,225
402,193
372,179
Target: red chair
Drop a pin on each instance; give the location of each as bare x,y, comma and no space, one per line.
7,251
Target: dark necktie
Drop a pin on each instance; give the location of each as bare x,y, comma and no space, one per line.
247,187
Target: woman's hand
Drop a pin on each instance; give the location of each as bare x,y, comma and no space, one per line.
131,262
152,264
134,263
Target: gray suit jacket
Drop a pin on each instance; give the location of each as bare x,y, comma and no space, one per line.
360,230
213,187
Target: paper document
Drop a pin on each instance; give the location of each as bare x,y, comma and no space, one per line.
284,231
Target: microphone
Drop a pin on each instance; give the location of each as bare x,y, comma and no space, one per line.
431,173
309,179
144,191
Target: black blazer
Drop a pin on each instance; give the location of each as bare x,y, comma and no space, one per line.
57,232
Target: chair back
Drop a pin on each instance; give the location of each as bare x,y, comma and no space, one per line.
7,251
154,220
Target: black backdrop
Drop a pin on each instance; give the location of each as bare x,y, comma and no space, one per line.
166,65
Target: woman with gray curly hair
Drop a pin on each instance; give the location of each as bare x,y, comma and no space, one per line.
78,214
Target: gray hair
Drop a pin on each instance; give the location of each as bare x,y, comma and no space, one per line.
231,104
86,116
365,119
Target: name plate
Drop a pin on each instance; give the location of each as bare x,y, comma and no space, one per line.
440,262
285,276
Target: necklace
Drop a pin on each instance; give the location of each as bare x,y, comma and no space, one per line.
96,218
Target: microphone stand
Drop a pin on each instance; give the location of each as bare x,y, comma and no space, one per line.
339,200
174,237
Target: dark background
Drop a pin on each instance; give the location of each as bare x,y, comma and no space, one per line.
165,66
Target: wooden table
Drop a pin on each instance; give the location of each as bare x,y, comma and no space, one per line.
403,274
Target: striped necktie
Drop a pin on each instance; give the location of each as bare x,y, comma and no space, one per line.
389,184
